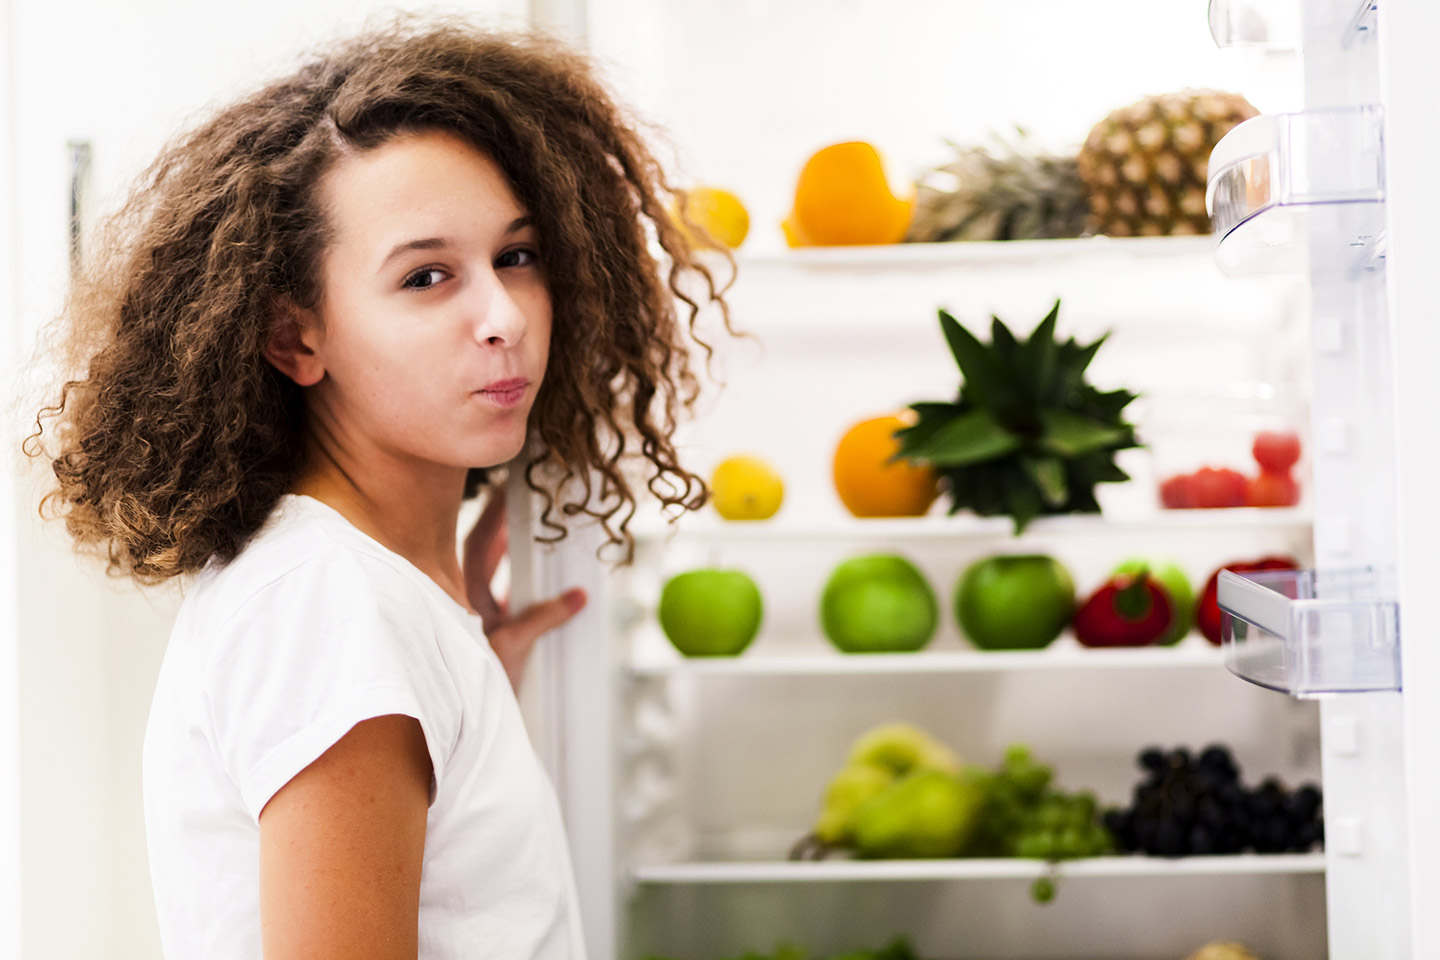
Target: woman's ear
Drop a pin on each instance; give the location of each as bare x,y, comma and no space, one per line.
294,335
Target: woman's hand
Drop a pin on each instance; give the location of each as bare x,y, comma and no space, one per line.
511,637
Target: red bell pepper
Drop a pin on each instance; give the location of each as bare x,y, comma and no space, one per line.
1130,610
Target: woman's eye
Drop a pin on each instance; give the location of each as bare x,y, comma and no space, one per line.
513,253
421,273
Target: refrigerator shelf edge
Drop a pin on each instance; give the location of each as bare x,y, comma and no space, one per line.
1309,633
942,526
961,253
976,869
1294,192
1193,652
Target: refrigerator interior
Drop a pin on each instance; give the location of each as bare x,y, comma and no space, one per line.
717,768
688,782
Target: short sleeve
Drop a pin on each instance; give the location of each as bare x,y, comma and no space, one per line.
339,638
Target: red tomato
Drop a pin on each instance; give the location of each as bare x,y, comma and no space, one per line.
1272,490
1176,493
1210,487
1276,452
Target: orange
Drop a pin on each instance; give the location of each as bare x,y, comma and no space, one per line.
842,197
870,487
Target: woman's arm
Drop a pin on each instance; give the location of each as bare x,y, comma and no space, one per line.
341,846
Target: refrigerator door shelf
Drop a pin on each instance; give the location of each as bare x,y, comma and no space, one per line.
1312,632
1270,24
1299,191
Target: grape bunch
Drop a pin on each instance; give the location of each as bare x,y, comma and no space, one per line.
1198,806
1027,817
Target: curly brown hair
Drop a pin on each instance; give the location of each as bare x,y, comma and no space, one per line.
179,437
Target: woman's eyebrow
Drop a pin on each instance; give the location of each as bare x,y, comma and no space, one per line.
440,243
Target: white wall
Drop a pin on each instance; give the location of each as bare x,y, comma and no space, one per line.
125,77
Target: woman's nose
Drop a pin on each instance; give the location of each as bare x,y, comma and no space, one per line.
498,319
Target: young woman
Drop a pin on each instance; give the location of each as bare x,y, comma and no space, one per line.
316,320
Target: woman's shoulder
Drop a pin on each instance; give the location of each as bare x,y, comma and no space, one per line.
306,553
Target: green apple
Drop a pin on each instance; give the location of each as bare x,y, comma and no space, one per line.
1176,585
878,603
710,612
1014,602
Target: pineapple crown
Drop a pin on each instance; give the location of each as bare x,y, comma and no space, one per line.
1027,435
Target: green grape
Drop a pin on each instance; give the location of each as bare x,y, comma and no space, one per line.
1017,755
1043,890
1084,802
1070,843
1032,846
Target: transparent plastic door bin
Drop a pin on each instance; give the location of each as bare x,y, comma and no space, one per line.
1291,191
1272,24
1311,632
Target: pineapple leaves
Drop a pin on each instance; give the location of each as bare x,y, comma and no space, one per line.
1048,475
1074,434
1028,436
977,368
972,437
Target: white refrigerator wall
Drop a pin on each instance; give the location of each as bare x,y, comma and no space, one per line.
125,77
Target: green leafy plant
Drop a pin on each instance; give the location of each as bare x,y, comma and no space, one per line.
1027,436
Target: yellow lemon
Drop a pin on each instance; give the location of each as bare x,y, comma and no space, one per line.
717,212
746,488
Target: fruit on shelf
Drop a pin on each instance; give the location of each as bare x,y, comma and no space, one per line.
1014,602
924,814
848,791
1276,452
902,748
871,482
1274,486
1198,806
1178,590
1010,192
746,488
710,612
1129,610
1208,617
1268,489
1027,436
878,603
717,217
842,197
900,795
1146,165
877,758
1211,487
1222,950
1024,816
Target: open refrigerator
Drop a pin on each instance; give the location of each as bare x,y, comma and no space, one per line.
684,782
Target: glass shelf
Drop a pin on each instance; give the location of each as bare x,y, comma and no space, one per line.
1312,632
830,871
1296,192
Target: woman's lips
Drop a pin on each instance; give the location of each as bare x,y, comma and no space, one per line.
505,393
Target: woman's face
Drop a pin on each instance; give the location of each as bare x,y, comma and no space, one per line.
435,326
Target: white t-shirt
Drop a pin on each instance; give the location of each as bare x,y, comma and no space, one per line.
312,628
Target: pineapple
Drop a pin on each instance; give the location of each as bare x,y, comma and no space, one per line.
1146,164
1027,435
1010,193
